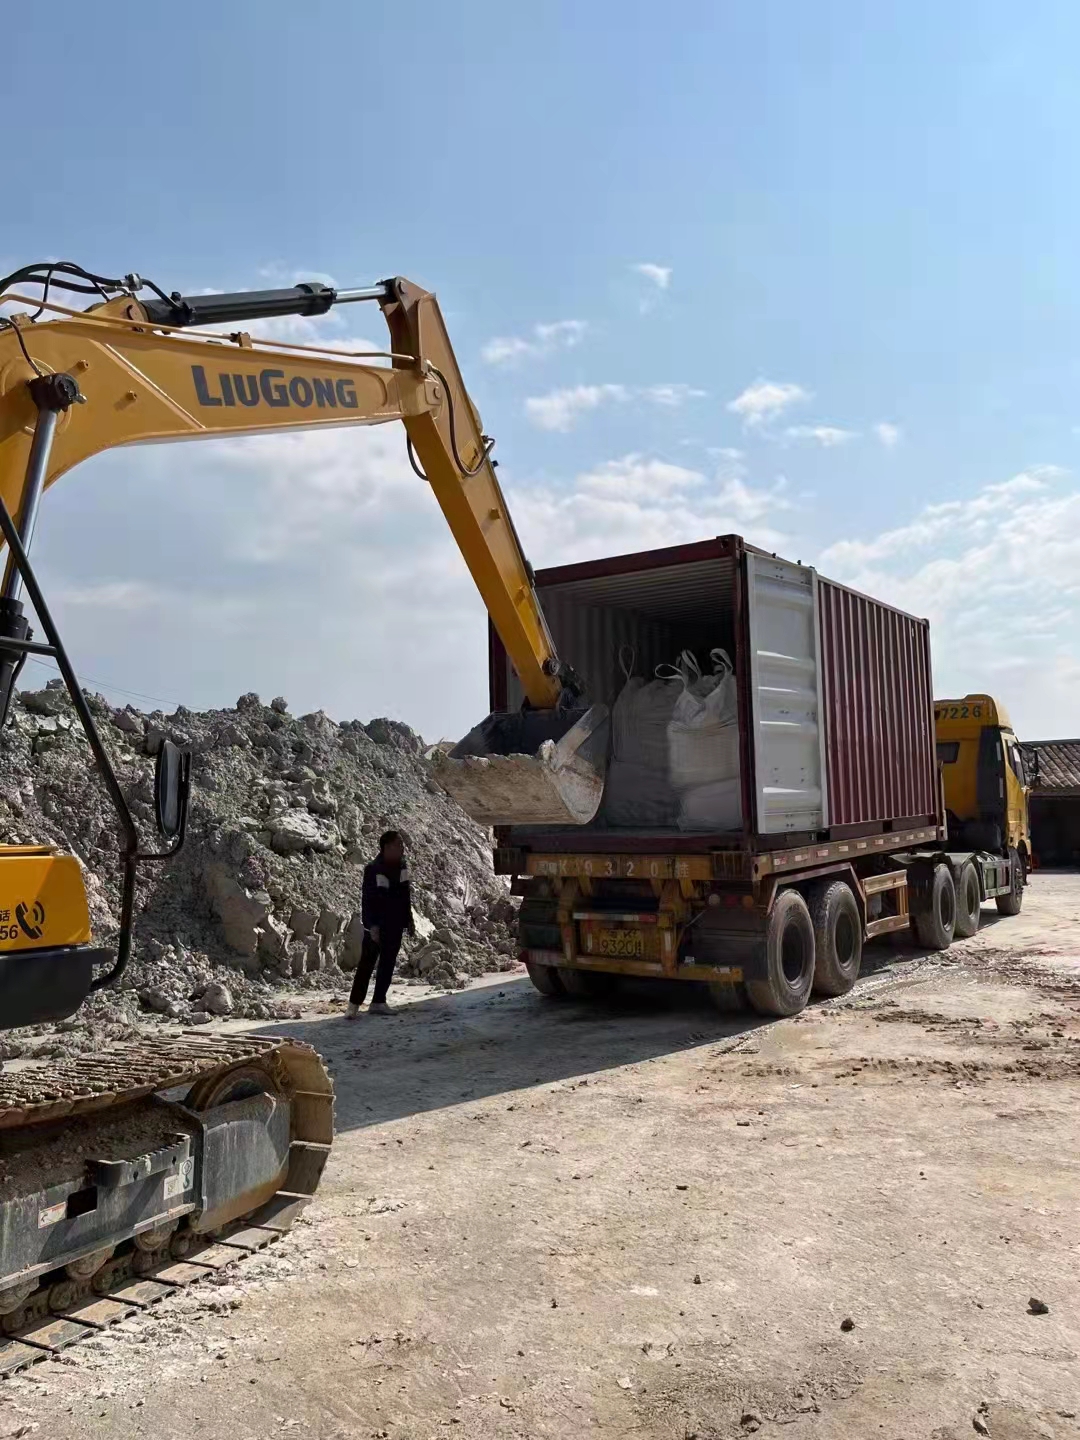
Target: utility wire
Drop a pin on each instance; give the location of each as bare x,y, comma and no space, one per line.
108,684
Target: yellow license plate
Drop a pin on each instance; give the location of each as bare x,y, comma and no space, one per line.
621,944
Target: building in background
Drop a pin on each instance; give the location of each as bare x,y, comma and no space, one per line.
1055,800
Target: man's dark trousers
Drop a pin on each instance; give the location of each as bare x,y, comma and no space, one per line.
379,956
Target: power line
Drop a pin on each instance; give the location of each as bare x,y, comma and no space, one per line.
120,690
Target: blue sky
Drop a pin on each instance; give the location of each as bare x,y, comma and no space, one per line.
807,271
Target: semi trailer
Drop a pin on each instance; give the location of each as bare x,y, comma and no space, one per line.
834,825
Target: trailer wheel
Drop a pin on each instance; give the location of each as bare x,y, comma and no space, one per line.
968,902
838,938
585,984
1010,903
789,958
936,924
545,978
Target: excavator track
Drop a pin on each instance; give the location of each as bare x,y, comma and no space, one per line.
147,1124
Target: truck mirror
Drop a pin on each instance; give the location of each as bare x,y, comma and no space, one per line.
172,782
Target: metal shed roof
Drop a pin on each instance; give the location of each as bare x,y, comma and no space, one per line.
1059,765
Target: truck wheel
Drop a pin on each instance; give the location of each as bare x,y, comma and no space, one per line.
1010,904
838,937
585,984
968,902
545,978
936,925
789,958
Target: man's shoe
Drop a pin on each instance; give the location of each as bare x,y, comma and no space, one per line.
380,1007
351,1011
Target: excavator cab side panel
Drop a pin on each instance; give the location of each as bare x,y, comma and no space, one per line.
46,964
42,901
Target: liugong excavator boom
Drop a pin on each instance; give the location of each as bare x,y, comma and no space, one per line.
142,381
135,378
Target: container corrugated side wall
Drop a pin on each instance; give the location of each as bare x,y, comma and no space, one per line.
590,638
879,710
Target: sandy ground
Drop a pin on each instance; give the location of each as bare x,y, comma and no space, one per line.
643,1219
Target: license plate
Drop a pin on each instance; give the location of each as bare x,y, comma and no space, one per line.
620,944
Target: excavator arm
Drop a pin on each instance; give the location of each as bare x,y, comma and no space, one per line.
139,380
126,372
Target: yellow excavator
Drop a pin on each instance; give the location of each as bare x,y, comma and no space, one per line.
125,1173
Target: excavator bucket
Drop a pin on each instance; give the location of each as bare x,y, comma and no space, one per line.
533,767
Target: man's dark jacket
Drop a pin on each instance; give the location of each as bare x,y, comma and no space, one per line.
386,901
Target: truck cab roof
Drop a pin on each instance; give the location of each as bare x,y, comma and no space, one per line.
972,710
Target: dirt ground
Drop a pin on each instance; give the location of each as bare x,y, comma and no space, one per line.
547,1219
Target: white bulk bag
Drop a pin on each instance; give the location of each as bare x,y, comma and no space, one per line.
703,732
640,716
637,791
637,797
712,807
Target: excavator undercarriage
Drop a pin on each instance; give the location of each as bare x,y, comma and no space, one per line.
128,1173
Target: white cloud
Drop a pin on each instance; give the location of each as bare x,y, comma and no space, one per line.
998,575
938,522
545,340
672,396
636,503
766,400
828,436
636,478
317,483
888,434
658,275
561,409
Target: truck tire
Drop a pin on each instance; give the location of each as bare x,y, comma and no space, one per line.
1010,904
936,925
545,978
585,984
968,902
838,937
789,958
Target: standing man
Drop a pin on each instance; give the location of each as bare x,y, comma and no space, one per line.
386,914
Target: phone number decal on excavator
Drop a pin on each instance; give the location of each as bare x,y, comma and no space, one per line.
270,387
30,922
958,712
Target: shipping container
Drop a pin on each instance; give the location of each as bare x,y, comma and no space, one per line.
838,829
835,702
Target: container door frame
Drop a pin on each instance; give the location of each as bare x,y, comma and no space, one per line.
807,817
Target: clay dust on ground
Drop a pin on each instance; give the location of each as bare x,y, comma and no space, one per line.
641,1218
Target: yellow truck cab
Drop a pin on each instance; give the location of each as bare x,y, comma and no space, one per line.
982,770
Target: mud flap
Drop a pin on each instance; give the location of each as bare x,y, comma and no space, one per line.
533,767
